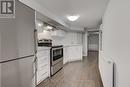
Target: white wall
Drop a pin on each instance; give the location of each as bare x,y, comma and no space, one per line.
116,39
85,44
0,64
70,38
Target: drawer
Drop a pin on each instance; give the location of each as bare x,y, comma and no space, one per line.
45,53
42,71
43,67
43,61
42,77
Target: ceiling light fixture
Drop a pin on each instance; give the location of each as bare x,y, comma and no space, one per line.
73,18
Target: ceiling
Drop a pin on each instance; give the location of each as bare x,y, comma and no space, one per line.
90,11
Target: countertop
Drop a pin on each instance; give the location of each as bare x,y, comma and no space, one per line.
72,45
64,46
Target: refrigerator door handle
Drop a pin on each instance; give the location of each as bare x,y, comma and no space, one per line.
35,64
36,40
35,70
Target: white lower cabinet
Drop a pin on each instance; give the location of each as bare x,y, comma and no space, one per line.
43,64
66,55
72,53
75,53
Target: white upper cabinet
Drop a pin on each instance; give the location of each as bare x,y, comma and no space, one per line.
44,35
58,33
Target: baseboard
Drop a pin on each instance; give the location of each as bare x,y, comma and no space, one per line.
85,57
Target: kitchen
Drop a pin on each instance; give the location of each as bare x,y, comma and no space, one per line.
41,45
56,47
28,50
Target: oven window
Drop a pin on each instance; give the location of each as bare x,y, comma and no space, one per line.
57,54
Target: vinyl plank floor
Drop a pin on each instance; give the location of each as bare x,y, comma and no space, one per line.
83,73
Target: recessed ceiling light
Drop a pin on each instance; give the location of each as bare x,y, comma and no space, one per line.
49,27
45,31
40,24
73,18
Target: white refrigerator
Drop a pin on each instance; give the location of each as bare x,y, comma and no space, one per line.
17,48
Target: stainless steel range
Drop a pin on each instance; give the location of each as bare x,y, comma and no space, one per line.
56,59
45,42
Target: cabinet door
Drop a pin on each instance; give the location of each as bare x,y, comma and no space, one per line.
43,65
17,34
66,55
75,53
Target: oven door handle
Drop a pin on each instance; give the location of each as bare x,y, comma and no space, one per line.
57,48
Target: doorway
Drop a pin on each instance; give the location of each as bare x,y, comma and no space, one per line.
93,41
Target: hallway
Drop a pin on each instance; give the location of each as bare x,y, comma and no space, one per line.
77,74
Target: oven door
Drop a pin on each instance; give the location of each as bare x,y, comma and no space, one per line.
57,55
